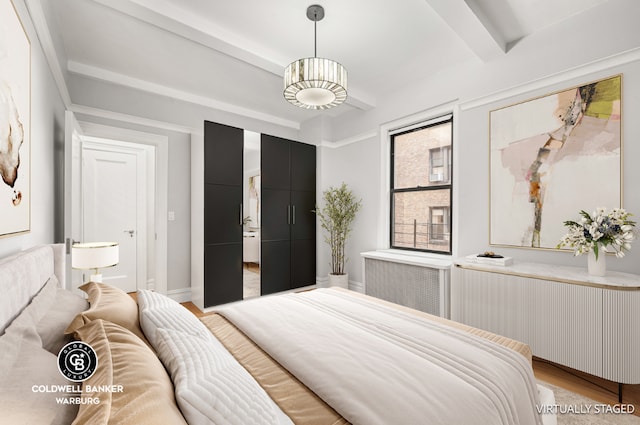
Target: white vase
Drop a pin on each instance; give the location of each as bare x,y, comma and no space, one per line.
597,267
339,280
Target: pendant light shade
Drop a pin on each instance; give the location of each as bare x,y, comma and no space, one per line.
315,83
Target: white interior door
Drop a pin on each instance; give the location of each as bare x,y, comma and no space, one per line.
72,195
110,209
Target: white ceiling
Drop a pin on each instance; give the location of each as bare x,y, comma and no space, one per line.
231,54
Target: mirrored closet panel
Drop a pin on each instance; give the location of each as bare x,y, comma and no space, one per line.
251,216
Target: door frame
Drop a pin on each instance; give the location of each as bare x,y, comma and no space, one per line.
116,135
145,177
72,213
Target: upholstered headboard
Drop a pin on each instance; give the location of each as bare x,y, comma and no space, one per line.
23,274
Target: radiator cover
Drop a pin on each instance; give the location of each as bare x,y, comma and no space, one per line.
420,287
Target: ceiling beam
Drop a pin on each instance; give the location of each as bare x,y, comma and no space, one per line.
100,74
472,27
170,17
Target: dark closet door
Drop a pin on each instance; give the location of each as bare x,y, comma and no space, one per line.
275,171
223,151
303,219
303,167
288,256
303,263
275,227
275,267
303,228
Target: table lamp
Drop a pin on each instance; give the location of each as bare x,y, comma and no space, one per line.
94,255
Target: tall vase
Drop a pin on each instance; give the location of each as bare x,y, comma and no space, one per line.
339,280
597,267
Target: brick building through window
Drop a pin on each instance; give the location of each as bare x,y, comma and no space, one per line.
421,187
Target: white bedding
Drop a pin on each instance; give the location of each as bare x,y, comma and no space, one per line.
211,387
376,365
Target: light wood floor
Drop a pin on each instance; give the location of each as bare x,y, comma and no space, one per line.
590,386
595,388
253,267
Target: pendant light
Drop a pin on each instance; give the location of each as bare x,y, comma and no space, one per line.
315,83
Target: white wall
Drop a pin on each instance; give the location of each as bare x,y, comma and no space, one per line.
47,141
356,164
153,113
473,183
157,114
178,198
560,57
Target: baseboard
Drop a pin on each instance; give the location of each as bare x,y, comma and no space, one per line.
356,286
151,284
323,282
184,294
289,291
181,295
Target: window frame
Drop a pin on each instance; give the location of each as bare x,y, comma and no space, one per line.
447,118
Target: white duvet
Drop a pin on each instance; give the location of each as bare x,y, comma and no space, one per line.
211,387
376,365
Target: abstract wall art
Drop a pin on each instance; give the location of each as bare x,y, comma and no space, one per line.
551,157
15,126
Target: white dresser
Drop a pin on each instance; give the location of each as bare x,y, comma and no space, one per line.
566,316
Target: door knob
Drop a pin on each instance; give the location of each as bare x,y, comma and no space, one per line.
130,232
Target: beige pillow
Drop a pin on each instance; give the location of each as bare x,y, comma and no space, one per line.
147,395
111,304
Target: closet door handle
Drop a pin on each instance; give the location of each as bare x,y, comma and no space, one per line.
293,214
240,214
288,214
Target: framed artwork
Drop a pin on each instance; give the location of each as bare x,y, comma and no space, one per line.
551,157
15,123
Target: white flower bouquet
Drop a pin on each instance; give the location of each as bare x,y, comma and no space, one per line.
600,229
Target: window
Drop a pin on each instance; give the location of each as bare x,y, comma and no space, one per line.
439,222
439,164
421,187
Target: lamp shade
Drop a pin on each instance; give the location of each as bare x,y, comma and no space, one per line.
315,83
94,255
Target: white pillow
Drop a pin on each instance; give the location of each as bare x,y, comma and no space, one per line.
150,299
211,386
160,312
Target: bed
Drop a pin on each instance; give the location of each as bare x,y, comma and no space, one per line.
321,357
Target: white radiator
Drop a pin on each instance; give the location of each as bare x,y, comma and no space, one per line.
419,286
